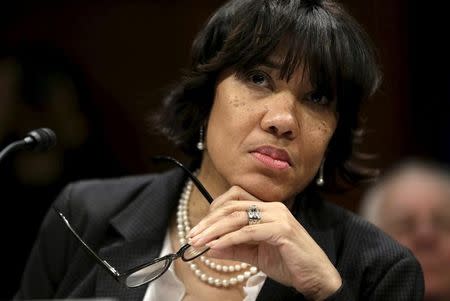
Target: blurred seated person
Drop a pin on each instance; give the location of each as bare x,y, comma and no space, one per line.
40,86
412,204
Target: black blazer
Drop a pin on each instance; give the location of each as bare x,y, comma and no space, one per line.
126,220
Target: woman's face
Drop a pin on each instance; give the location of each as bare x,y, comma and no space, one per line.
266,134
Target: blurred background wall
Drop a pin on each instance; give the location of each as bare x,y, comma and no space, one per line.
92,70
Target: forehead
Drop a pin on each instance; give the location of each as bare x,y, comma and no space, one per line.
418,192
277,61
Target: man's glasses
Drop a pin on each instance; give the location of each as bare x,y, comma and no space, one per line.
152,270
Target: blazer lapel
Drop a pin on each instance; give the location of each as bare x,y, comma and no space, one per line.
122,257
142,226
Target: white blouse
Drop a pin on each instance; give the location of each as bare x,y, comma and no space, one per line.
169,287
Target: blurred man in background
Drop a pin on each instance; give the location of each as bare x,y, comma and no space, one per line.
412,204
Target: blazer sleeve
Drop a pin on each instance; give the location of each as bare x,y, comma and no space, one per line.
403,281
46,264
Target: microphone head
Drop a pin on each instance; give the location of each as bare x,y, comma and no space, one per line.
41,139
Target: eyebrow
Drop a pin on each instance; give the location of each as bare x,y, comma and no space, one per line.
275,64
270,63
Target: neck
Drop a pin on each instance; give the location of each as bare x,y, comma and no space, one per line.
198,207
214,183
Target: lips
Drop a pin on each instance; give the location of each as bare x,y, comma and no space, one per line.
274,157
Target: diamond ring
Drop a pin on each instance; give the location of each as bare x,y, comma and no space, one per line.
254,215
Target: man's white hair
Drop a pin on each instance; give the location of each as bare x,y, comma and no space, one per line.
371,203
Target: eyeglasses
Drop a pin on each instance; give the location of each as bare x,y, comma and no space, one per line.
154,269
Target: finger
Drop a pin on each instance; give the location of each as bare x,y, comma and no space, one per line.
244,253
225,224
224,212
267,232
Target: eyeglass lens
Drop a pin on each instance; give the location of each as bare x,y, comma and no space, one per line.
147,273
153,271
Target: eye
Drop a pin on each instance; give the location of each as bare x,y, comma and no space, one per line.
318,98
442,223
403,226
259,78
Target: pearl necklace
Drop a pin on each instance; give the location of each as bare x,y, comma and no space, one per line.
183,227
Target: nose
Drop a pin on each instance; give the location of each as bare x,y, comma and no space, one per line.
280,117
425,236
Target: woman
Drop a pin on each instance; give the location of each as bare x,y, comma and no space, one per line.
267,109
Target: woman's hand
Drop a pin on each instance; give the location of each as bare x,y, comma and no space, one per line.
278,245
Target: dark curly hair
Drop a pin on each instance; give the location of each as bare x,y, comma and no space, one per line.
319,35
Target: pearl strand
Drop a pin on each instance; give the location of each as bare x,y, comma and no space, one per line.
183,227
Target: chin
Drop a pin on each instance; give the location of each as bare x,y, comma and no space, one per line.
265,189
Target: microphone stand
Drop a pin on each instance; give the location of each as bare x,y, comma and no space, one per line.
38,140
12,147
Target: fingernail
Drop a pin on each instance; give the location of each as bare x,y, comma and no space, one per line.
192,232
192,240
211,244
199,241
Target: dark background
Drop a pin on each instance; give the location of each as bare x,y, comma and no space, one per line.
93,70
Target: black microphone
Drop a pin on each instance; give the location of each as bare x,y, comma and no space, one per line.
37,140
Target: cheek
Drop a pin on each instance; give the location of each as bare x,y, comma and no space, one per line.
232,112
325,130
238,107
446,248
223,127
317,133
312,144
236,102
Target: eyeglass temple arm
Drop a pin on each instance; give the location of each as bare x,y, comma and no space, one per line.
197,183
102,262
